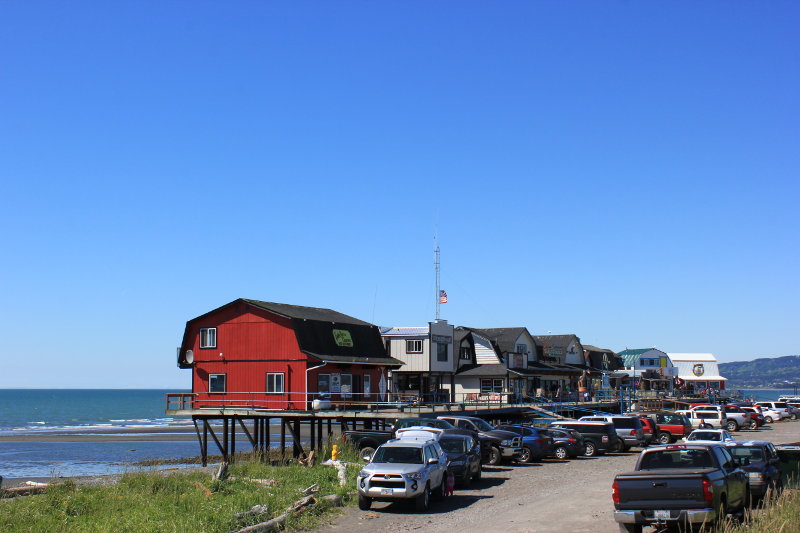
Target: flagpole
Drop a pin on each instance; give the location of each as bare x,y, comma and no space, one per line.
436,264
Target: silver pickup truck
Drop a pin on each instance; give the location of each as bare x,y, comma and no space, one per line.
680,485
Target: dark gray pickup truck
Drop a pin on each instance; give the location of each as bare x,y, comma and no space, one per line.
680,485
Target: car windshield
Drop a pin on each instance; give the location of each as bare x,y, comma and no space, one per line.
453,445
751,452
397,454
676,459
483,425
705,435
424,422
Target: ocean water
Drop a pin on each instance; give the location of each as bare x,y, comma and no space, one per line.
766,395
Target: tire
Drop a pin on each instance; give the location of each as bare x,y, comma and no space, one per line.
793,416
723,511
477,475
438,492
630,528
495,457
768,419
561,453
732,425
664,438
366,450
621,447
589,449
525,456
364,503
703,425
752,425
423,500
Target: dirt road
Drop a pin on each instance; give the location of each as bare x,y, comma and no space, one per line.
552,496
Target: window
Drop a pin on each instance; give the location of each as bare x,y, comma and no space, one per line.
275,382
367,385
413,346
208,337
491,385
465,353
216,383
521,348
441,351
347,386
324,383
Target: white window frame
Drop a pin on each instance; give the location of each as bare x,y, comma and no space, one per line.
496,385
411,345
224,383
367,383
204,337
465,353
274,376
522,348
349,393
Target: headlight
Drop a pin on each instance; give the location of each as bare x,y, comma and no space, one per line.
413,475
756,476
363,473
506,442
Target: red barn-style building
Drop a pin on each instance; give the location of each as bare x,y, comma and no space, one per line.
266,355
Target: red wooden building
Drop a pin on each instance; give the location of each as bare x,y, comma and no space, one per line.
266,355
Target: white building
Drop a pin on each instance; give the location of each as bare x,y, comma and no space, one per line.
698,371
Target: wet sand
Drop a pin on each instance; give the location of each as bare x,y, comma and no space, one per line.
177,433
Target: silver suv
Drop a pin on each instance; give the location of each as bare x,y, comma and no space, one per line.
411,467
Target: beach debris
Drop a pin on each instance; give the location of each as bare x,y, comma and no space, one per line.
35,484
205,489
222,473
341,466
333,499
309,459
313,489
258,509
13,492
270,525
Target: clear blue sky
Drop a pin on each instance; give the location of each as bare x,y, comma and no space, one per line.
624,171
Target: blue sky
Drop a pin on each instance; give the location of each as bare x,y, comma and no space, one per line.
624,171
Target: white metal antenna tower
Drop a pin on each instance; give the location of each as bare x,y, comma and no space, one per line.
436,264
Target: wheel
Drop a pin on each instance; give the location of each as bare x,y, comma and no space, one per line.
732,425
768,419
561,453
465,481
366,453
793,416
664,438
477,475
723,511
495,456
423,499
364,503
752,425
703,425
525,456
589,449
630,528
438,492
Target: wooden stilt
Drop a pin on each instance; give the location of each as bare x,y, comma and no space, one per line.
233,439
283,439
319,434
267,443
205,442
313,433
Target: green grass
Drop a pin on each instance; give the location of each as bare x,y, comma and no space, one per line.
177,501
783,516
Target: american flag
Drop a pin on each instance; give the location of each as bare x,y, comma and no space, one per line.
442,297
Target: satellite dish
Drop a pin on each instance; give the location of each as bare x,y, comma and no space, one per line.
189,357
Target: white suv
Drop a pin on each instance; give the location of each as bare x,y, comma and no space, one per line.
773,411
411,467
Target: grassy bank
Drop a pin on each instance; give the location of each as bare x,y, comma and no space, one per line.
783,516
178,501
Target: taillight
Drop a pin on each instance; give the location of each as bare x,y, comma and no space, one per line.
708,494
572,440
615,492
605,438
633,433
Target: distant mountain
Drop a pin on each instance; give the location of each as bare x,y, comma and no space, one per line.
777,372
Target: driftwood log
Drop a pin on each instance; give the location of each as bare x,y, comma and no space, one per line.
270,525
21,491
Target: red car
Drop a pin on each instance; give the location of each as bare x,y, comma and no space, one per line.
672,427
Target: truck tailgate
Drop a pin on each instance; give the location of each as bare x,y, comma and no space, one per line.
658,489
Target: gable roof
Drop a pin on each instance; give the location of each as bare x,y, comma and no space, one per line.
306,313
560,341
506,338
630,355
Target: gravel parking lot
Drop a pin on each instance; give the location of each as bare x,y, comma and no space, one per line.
551,496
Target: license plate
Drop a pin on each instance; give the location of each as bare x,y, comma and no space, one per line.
386,492
661,515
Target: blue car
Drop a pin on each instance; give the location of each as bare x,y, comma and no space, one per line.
535,445
760,460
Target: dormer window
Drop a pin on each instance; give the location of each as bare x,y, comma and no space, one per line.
465,353
208,337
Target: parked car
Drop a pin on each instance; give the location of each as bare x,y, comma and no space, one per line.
705,419
679,485
486,444
709,436
503,444
629,429
534,444
403,469
463,457
567,443
672,426
734,417
756,418
366,441
760,461
598,437
780,408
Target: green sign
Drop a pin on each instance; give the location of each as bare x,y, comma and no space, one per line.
343,338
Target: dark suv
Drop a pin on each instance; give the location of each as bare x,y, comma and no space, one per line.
629,429
504,444
598,437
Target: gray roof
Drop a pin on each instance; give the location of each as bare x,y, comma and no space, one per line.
505,338
591,348
307,313
561,341
493,370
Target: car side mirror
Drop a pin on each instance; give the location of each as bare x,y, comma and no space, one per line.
367,457
433,461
